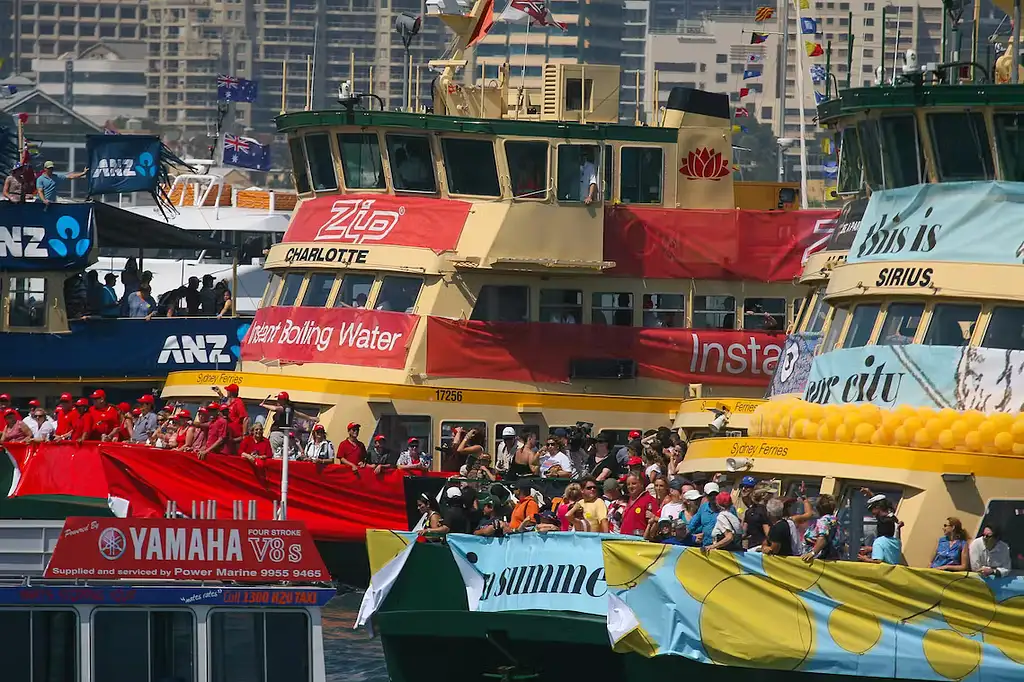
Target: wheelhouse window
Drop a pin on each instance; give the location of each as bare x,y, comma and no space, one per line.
578,172
318,289
149,646
901,323
470,166
851,165
258,646
862,323
961,143
609,157
817,313
412,163
902,157
40,644
321,162
272,286
640,175
768,314
561,305
528,168
714,312
354,291
871,144
290,290
665,310
1005,329
399,294
1009,129
299,171
952,324
26,302
360,160
502,303
835,328
612,309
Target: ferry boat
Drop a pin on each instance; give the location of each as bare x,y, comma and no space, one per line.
913,328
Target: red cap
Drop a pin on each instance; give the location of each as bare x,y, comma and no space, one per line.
148,399
33,403
65,397
213,407
8,413
136,412
634,434
4,396
634,461
125,408
202,410
231,388
283,395
353,425
224,407
184,414
379,436
414,440
723,500
99,393
318,427
82,402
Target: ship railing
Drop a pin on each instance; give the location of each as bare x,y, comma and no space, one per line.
241,510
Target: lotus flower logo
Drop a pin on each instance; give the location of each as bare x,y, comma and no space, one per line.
705,163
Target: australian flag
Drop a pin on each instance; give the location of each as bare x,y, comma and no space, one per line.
235,89
246,152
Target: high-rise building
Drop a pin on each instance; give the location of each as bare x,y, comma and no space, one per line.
636,26
104,82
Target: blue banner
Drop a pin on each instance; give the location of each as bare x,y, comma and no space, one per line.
35,237
961,222
123,163
527,571
97,348
261,597
794,364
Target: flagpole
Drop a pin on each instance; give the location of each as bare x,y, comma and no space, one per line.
800,97
781,86
522,77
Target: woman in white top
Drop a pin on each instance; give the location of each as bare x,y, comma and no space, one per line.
319,448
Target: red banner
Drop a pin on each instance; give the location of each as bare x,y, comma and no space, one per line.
343,336
367,219
333,502
185,549
525,352
762,246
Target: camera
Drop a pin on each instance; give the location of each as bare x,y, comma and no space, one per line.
580,436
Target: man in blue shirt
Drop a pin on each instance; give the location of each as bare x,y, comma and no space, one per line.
46,184
704,520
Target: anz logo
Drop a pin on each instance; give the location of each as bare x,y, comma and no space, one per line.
145,166
30,241
206,349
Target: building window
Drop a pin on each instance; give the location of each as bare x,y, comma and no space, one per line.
714,312
612,309
869,38
498,303
321,162
470,166
664,310
640,177
528,166
561,305
721,77
868,21
412,163
399,294
360,160
766,113
354,292
869,7
721,58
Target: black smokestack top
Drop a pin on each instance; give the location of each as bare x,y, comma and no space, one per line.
692,101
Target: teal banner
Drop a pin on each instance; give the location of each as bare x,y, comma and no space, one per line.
960,222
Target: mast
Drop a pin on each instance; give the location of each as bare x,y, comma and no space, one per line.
463,26
780,108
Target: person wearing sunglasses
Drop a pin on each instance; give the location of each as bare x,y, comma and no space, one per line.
553,462
591,508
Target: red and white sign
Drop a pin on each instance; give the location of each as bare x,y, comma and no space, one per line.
343,336
423,222
185,549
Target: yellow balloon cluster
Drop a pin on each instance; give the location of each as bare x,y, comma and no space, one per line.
904,426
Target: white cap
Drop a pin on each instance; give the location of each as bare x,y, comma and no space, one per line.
507,432
711,487
452,493
692,495
876,499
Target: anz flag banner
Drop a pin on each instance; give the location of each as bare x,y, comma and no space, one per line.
36,237
121,164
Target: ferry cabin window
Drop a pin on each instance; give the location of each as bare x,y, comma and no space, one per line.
255,646
714,312
853,515
40,645
321,162
470,166
26,302
399,294
1010,144
354,291
612,309
767,314
1008,516
961,144
952,324
640,175
528,166
290,290
561,305
862,323
143,646
665,310
412,163
1005,329
497,303
318,289
901,323
609,157
835,328
578,172
817,313
851,165
399,428
450,460
299,172
360,161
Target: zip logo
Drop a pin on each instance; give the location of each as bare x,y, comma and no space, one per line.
356,221
187,350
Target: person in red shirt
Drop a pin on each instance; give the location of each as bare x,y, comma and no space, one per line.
67,416
78,419
217,434
5,402
641,509
101,419
237,415
255,446
123,432
351,451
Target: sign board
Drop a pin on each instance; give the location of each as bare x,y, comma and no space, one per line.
35,237
185,549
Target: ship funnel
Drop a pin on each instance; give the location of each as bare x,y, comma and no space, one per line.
686,104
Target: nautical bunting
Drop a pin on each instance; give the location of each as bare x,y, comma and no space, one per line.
813,49
754,59
827,146
748,74
758,38
808,26
819,97
764,13
744,92
805,4
817,73
830,169
740,129
742,112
